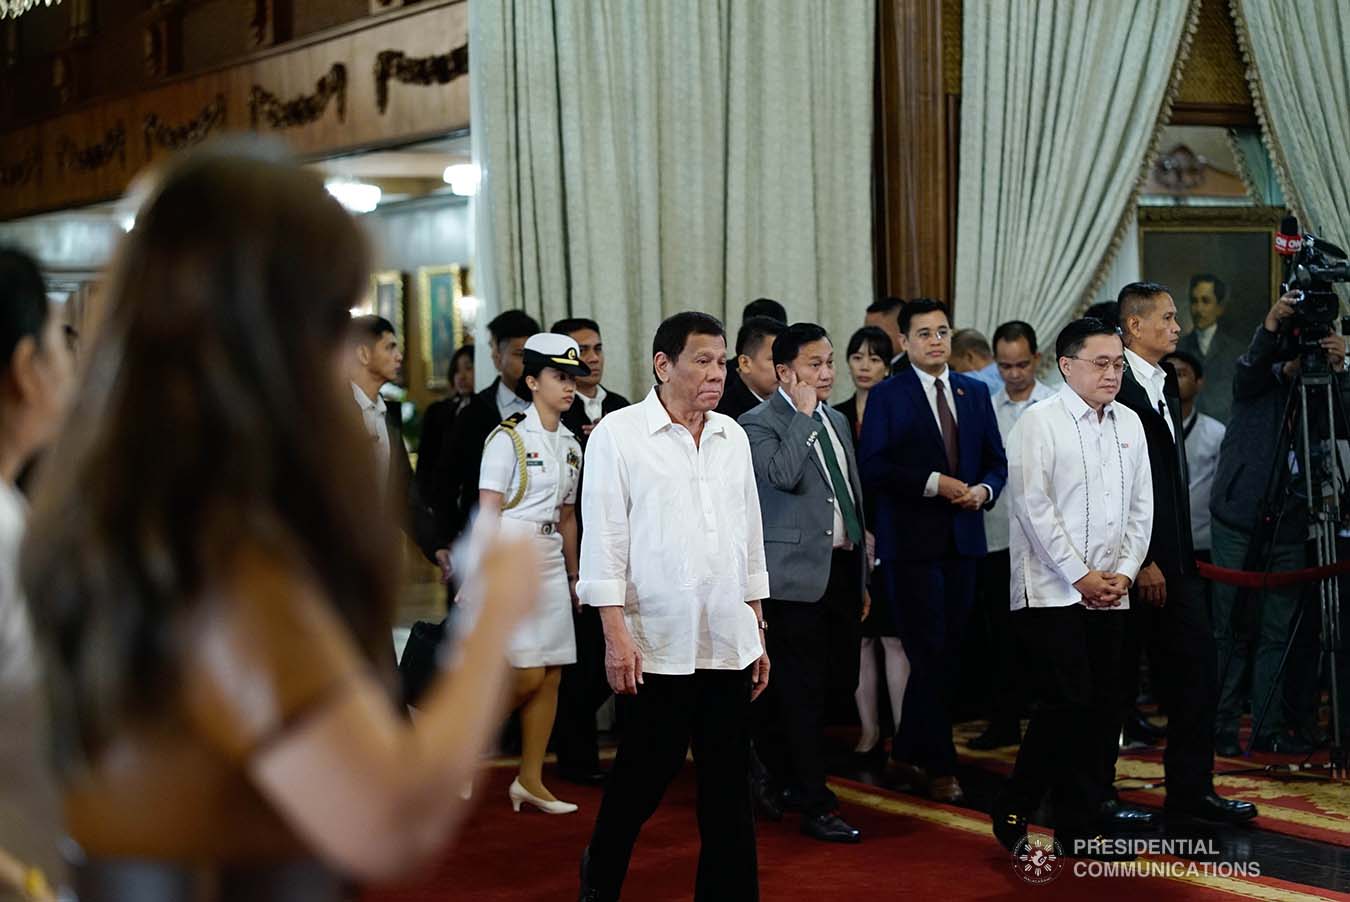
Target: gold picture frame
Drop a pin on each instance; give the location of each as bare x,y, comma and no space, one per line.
439,289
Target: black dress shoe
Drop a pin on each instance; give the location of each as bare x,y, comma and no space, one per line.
997,736
829,828
766,800
1010,826
1115,816
1142,726
582,776
1226,745
1283,744
1211,807
1136,731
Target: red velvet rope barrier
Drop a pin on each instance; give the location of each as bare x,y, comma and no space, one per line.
1248,579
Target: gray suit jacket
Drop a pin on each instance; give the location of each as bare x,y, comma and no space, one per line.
796,499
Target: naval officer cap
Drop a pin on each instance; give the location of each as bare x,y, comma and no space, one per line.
560,352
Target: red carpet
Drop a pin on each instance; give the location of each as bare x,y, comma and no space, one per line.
1298,804
911,848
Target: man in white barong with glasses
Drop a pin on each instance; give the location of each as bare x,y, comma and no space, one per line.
1082,513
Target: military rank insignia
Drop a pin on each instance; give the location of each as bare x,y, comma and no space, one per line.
573,459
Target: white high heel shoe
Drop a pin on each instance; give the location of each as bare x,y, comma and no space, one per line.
519,794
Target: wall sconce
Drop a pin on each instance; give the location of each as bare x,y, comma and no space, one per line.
462,178
357,197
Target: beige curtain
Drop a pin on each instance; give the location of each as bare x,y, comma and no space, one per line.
645,158
1060,107
1298,57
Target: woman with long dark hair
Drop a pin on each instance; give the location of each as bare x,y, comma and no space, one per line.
869,363
209,575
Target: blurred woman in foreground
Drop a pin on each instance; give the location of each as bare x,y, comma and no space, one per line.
209,572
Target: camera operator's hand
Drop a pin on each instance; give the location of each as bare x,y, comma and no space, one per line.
1334,345
1152,586
1282,309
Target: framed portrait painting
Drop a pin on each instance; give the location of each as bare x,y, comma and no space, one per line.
439,289
387,300
1221,266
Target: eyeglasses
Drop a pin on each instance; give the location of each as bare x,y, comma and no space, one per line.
1102,364
927,335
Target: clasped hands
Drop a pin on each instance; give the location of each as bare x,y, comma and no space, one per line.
966,497
1103,590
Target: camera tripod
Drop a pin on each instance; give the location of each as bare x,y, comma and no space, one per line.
1307,457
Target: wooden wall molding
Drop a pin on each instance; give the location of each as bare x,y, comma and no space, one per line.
75,159
303,109
427,70
176,137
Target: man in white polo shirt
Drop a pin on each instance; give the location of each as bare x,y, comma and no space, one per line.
673,556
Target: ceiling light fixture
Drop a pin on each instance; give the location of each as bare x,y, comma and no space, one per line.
462,178
16,8
357,197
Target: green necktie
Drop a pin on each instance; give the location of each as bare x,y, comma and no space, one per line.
841,491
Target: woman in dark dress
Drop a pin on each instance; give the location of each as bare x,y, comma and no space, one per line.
869,355
440,416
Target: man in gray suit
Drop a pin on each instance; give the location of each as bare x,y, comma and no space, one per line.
810,497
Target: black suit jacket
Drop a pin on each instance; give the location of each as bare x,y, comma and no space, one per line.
576,417
849,408
900,363
1170,546
737,398
403,492
461,457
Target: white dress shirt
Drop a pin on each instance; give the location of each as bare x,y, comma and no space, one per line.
839,531
594,407
373,414
673,534
1008,412
1204,337
929,385
1203,435
1152,377
508,402
1082,498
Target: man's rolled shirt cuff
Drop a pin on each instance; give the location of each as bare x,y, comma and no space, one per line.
603,593
988,495
757,586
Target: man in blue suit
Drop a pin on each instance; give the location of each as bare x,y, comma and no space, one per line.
932,458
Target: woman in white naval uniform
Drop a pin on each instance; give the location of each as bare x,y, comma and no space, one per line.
541,505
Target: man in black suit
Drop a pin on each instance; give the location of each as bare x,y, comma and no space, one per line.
735,386
932,457
1167,608
1217,351
885,315
584,686
376,360
461,454
754,366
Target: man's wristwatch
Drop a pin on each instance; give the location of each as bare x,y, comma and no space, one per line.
764,626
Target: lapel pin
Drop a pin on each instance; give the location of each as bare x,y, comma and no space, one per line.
961,392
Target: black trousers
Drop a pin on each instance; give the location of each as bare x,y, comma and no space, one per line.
709,708
1000,670
931,601
583,689
1072,659
790,715
1185,673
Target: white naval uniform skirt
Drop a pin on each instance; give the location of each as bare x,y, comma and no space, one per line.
546,637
